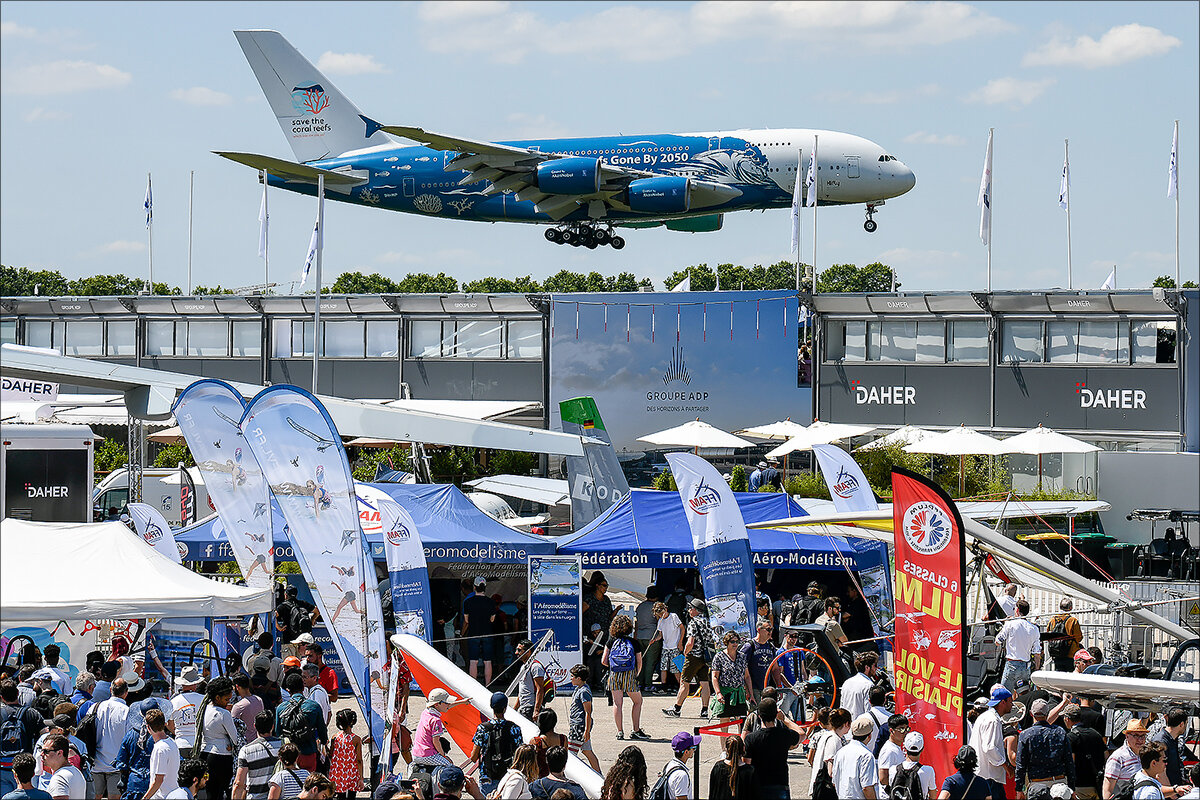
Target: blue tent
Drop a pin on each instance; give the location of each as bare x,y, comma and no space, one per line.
648,529
452,529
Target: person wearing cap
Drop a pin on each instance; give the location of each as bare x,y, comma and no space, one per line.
677,772
509,739
987,740
110,732
891,753
788,673
914,745
183,709
698,643
260,658
545,788
451,782
427,745
855,770
1082,660
768,749
771,476
1021,641
1123,765
756,477
1087,749
479,618
1043,754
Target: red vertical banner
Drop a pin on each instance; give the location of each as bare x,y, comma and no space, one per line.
930,652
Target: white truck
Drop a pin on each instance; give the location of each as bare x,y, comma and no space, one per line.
46,469
161,488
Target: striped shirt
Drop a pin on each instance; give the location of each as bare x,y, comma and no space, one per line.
259,759
290,781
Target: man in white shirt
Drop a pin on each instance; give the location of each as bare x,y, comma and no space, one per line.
164,758
110,732
1021,641
914,745
877,714
892,752
679,774
184,707
856,691
987,737
1008,600
854,768
62,679
313,689
66,782
668,630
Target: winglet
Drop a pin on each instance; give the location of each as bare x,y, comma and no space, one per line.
372,125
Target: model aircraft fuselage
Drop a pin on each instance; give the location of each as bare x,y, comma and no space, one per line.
582,186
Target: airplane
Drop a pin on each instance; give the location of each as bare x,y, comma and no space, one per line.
583,189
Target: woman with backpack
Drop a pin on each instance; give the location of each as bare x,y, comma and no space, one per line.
218,739
623,657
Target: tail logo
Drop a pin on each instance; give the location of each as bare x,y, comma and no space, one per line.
309,99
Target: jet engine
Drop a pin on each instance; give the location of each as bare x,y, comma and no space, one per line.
569,176
670,194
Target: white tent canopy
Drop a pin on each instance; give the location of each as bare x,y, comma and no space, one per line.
55,570
694,434
907,434
819,433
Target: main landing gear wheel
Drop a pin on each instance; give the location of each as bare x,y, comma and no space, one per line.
586,235
553,235
616,242
870,226
567,236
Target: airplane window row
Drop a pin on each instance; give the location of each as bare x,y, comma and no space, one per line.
675,149
887,158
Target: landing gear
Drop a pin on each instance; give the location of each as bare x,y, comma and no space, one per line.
870,226
585,234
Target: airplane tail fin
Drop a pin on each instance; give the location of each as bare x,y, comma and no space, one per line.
595,479
317,119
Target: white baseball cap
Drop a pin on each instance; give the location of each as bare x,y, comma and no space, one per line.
441,696
914,742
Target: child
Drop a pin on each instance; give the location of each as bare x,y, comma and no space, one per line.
579,729
345,760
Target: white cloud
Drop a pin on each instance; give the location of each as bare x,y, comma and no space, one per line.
40,114
62,77
1120,45
9,28
1010,91
922,137
348,64
200,96
119,247
522,125
505,34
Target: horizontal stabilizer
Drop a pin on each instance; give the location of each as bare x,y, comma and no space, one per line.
291,171
441,141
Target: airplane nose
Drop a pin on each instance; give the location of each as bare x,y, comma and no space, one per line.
905,178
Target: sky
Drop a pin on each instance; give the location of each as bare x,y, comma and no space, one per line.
93,96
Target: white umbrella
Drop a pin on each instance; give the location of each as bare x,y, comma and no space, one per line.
819,433
909,434
961,441
695,434
1039,441
172,435
784,429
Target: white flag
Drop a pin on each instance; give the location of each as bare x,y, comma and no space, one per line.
315,245
810,182
152,527
797,201
1173,173
1111,281
848,487
149,204
684,285
1064,187
985,195
263,219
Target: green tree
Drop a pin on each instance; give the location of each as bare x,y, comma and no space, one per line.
738,480
358,283
522,285
173,454
365,460
1167,282
874,277
114,285
110,455
211,290
23,281
665,482
424,283
567,281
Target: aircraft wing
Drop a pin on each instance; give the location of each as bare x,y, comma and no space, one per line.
1142,694
513,169
290,170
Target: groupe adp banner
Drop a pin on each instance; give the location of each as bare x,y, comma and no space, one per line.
208,413
407,570
556,606
930,655
722,545
302,458
153,527
848,487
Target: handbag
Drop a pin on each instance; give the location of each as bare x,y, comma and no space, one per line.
823,788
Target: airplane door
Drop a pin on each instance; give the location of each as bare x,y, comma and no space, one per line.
410,186
714,143
851,166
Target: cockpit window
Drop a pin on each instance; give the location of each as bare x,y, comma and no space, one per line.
887,158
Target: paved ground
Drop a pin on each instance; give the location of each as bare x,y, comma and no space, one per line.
660,728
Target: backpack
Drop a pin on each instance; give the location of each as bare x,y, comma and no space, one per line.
260,663
885,730
301,619
787,609
85,731
1060,648
823,788
294,725
661,791
621,657
12,733
906,782
1125,788
499,747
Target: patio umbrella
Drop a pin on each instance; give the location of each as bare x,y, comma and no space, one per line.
819,433
909,434
172,435
1039,441
961,441
784,429
694,434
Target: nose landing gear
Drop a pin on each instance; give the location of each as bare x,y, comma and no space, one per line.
585,235
870,226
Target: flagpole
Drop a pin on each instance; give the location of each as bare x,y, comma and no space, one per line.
264,244
191,199
150,228
319,259
1178,276
1067,178
816,183
991,196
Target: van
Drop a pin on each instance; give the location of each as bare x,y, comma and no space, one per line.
161,488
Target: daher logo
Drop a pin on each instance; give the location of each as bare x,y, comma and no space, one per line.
704,499
883,395
1110,398
46,491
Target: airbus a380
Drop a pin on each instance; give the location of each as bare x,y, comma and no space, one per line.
581,188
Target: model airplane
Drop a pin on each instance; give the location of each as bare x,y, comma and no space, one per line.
583,188
1141,694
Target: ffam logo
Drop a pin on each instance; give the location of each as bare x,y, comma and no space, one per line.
883,395
926,528
846,485
309,99
46,491
704,499
1110,398
398,534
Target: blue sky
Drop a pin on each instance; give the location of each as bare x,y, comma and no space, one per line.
95,95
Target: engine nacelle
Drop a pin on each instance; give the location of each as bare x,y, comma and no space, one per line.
569,176
670,194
